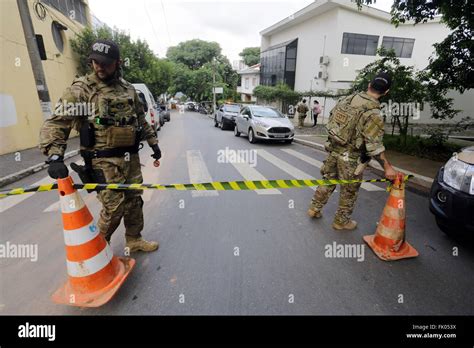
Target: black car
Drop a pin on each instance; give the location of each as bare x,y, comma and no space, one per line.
452,195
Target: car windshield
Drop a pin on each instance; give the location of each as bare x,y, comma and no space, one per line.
265,112
232,108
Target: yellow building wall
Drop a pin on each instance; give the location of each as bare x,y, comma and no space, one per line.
21,115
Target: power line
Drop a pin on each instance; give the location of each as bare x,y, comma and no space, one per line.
166,23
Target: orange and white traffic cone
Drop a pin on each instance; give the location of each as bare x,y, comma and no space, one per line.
95,274
389,243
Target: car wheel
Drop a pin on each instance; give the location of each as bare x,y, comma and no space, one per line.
223,125
216,124
252,139
236,132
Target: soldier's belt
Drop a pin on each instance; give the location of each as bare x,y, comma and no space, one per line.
207,186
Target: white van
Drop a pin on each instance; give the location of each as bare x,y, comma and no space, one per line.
152,115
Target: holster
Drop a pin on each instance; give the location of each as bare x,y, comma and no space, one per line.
87,174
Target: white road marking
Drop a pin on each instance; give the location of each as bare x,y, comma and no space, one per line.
366,185
250,173
198,172
150,174
285,166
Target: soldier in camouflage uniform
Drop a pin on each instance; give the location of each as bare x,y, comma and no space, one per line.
355,130
110,135
302,110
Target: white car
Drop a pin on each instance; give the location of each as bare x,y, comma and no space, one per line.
263,123
151,113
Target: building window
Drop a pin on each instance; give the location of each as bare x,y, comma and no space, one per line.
254,81
56,29
246,83
278,64
73,9
359,44
403,47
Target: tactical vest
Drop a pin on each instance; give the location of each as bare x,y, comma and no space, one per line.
343,120
114,123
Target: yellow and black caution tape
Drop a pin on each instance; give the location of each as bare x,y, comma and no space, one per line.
207,186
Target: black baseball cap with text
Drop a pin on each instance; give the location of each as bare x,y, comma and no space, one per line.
381,82
104,51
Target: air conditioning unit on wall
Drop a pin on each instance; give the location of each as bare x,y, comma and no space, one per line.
323,75
324,60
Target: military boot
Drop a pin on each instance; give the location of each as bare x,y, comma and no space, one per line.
350,225
138,244
313,213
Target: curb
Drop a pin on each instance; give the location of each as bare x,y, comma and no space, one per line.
31,170
419,184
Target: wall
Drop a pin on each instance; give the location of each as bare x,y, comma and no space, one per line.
20,113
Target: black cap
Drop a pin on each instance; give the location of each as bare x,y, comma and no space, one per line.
104,51
381,82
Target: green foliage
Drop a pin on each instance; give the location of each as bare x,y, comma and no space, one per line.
408,86
139,65
283,92
194,63
452,64
194,53
250,55
430,148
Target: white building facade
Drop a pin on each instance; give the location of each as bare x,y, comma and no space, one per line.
250,78
334,40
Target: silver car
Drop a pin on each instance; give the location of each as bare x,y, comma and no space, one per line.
263,123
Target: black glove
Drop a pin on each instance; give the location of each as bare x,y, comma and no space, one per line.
57,169
156,152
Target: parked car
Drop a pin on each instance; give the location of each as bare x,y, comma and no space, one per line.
151,113
163,109
452,195
225,116
263,123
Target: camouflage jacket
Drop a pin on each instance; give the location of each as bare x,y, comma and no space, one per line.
87,98
369,131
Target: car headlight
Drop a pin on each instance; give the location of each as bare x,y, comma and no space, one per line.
260,123
459,175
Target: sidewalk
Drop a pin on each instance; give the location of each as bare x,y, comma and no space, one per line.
17,165
423,170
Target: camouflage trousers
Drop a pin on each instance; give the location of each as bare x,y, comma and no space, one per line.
337,166
301,118
120,204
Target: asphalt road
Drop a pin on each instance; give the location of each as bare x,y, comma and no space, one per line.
281,267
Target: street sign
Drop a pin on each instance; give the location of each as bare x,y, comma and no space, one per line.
218,90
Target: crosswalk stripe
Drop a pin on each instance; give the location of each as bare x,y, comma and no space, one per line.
149,174
285,166
249,173
198,172
366,186
10,202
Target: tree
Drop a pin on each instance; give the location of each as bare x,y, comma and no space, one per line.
139,65
250,55
194,53
409,90
452,64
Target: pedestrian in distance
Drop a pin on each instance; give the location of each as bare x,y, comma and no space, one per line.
302,110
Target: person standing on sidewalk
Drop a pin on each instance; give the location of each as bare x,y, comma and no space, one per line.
316,112
110,134
355,129
302,110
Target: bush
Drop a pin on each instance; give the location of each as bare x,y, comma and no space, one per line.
421,147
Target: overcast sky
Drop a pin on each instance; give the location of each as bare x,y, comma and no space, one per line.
233,24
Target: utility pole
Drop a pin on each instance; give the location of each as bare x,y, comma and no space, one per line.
213,86
35,59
